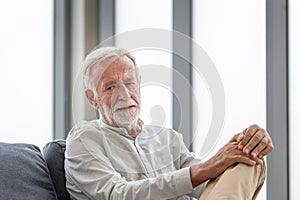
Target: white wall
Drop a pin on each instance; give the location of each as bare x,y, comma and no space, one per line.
294,97
233,33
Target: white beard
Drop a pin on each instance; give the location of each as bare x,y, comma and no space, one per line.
123,118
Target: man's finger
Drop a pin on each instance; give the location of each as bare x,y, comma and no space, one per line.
237,137
260,147
267,150
248,133
244,159
254,141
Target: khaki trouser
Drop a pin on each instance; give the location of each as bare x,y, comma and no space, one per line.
239,182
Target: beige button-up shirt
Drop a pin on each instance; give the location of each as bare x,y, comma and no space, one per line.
104,162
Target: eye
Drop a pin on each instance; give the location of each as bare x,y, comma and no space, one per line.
131,85
110,88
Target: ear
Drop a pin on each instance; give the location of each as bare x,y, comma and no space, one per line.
91,98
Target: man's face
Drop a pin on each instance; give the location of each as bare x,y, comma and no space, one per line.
119,94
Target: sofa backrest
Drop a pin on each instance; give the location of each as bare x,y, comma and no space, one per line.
54,154
24,173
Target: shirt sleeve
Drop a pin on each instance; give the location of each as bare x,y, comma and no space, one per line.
94,175
188,159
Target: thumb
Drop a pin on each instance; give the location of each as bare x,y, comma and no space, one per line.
237,137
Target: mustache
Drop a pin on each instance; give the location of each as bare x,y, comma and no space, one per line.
124,104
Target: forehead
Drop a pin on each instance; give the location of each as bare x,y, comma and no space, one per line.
118,69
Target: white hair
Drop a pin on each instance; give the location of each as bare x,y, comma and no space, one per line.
97,61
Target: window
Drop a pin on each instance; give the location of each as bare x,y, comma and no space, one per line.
26,71
233,33
156,98
294,97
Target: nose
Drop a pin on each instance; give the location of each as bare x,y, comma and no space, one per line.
122,92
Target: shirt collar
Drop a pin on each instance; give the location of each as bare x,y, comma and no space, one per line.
119,130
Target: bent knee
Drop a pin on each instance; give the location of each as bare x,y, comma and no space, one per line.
240,181
257,173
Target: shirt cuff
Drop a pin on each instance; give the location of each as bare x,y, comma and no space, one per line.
183,182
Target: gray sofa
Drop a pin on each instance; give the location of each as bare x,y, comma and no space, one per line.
26,173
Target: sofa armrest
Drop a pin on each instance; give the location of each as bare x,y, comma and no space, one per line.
54,154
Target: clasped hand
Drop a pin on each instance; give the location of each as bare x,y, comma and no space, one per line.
255,142
248,147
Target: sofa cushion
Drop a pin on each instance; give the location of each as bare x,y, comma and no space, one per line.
54,154
24,173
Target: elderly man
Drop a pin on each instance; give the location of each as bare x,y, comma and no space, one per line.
117,157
